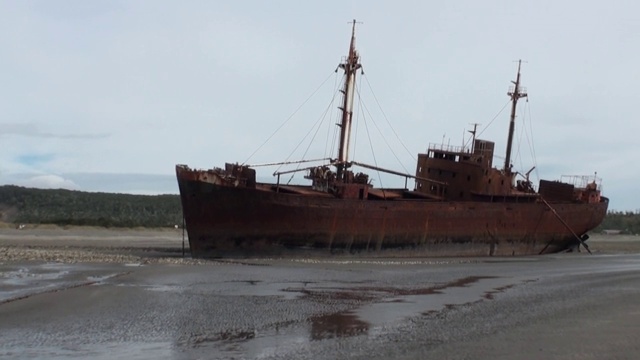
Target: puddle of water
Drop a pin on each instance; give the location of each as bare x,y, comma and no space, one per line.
423,301
338,325
102,278
17,282
164,288
24,276
390,307
248,344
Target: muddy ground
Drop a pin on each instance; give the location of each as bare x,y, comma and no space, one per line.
101,293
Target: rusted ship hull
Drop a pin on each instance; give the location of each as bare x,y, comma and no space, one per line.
227,221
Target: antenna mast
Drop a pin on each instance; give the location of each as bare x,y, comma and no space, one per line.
473,140
350,67
515,92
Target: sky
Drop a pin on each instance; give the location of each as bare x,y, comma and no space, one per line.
111,95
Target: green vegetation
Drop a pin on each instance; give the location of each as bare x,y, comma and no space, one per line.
21,205
627,222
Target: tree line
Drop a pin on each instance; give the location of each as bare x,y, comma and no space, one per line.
628,222
21,205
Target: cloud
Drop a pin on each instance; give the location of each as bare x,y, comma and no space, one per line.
31,130
142,184
49,182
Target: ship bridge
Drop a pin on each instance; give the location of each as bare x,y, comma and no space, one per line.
467,172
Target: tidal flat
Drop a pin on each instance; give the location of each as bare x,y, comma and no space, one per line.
100,293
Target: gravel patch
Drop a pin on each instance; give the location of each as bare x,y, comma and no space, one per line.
73,255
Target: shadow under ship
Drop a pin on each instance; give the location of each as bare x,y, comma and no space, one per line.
461,205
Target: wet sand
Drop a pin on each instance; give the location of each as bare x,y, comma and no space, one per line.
128,293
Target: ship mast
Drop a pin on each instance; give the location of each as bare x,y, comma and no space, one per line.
515,92
350,66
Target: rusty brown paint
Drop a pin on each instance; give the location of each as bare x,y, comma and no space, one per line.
242,221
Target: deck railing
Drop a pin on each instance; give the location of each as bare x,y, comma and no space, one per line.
581,181
449,148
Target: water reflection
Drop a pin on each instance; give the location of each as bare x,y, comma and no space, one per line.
337,325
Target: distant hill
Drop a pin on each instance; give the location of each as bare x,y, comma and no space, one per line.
21,205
